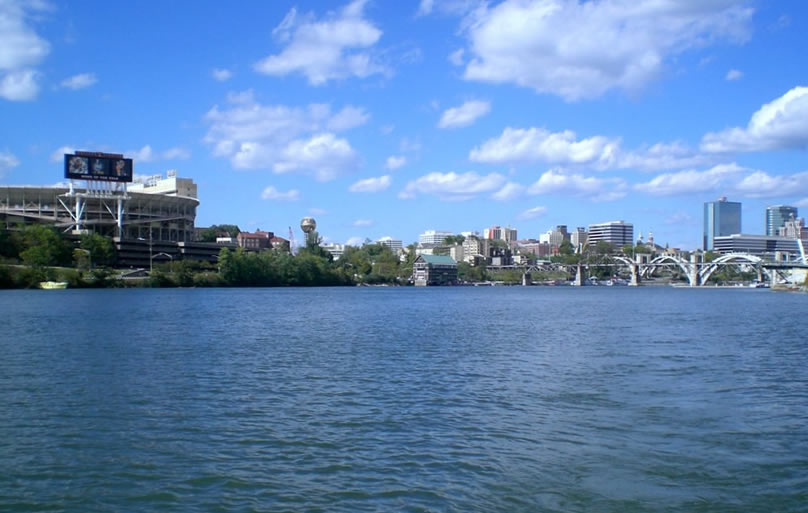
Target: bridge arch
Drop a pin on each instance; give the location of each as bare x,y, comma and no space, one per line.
740,258
683,264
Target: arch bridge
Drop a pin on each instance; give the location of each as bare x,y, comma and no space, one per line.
695,271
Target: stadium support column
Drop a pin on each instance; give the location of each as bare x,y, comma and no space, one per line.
120,218
79,213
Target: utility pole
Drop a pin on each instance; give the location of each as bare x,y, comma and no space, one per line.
151,259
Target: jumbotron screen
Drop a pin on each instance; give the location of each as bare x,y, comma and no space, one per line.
105,167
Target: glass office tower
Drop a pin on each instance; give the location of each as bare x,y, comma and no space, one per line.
721,218
776,217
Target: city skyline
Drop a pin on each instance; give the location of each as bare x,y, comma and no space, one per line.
389,120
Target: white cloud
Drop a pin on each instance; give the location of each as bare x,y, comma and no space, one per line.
509,191
803,203
271,193
464,115
408,145
241,97
363,222
318,211
425,7
20,85
220,74
349,117
371,184
58,154
332,48
80,81
679,218
394,162
763,185
780,124
532,213
578,49
456,57
675,155
144,154
147,154
690,181
323,155
176,153
21,50
282,138
355,241
7,162
555,181
517,145
734,74
453,186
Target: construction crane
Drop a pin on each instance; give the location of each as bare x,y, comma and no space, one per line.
292,248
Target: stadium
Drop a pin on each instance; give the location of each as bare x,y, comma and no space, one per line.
149,220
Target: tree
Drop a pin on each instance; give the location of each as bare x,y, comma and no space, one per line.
43,246
210,234
566,248
603,248
100,249
467,272
627,249
9,244
451,240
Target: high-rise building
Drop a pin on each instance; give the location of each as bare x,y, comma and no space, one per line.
335,249
776,217
433,237
553,237
794,229
507,234
579,237
721,218
395,245
618,233
755,244
474,247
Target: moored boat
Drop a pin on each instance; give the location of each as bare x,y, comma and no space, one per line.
52,285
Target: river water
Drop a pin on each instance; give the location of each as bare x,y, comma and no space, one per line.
400,399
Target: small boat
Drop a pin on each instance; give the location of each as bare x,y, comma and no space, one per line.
52,285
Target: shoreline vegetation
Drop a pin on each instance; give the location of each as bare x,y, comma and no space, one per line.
34,254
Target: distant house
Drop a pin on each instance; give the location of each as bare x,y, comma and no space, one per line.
255,241
434,270
279,243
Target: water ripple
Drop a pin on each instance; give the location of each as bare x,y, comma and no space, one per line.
489,399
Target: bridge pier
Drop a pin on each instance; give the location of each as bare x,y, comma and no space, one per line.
694,278
635,276
526,279
579,276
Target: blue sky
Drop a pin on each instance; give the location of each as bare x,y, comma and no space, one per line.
391,118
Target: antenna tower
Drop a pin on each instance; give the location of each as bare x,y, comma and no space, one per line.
291,241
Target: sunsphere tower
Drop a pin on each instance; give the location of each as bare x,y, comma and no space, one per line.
309,225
